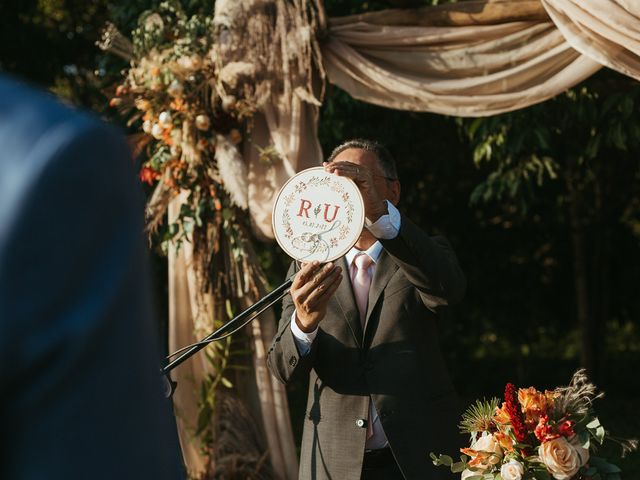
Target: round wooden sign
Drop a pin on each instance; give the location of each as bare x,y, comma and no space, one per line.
318,216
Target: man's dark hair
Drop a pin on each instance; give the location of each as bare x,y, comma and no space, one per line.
387,163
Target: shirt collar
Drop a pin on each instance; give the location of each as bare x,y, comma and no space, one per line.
373,251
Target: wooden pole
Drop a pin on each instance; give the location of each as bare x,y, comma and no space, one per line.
473,12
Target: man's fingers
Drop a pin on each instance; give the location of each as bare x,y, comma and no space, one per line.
307,270
312,281
324,291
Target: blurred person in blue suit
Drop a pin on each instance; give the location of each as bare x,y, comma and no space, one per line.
80,389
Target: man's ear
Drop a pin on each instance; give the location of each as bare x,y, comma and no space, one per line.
394,192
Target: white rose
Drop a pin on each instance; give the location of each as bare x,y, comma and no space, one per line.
485,452
488,443
512,470
562,458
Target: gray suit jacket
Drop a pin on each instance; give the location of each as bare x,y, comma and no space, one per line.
80,389
396,360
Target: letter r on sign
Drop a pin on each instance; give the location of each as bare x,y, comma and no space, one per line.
305,205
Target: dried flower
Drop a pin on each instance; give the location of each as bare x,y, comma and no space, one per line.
142,104
203,122
147,125
165,119
114,102
235,136
175,89
156,131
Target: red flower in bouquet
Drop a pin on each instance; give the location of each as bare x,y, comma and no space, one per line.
566,428
512,407
545,432
148,175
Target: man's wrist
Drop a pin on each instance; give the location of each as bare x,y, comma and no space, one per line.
302,327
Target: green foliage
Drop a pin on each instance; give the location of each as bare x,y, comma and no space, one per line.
574,137
447,461
479,416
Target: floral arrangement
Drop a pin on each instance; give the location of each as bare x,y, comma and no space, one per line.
536,435
189,139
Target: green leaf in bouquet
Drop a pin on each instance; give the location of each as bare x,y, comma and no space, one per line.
541,475
603,466
458,467
596,429
590,471
475,477
584,439
446,460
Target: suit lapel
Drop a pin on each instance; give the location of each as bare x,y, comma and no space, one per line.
385,269
347,303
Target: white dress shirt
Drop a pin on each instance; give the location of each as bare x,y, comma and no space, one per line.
386,228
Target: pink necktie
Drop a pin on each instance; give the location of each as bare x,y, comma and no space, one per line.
361,281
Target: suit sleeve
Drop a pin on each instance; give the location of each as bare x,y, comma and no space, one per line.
284,359
429,263
79,374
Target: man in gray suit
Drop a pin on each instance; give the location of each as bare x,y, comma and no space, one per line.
80,389
363,330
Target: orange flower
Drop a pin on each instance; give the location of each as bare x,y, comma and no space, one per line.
534,405
501,416
505,441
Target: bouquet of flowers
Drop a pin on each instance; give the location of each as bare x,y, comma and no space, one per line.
536,435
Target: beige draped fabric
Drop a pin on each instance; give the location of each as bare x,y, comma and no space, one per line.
462,71
473,58
265,398
607,31
480,58
290,127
